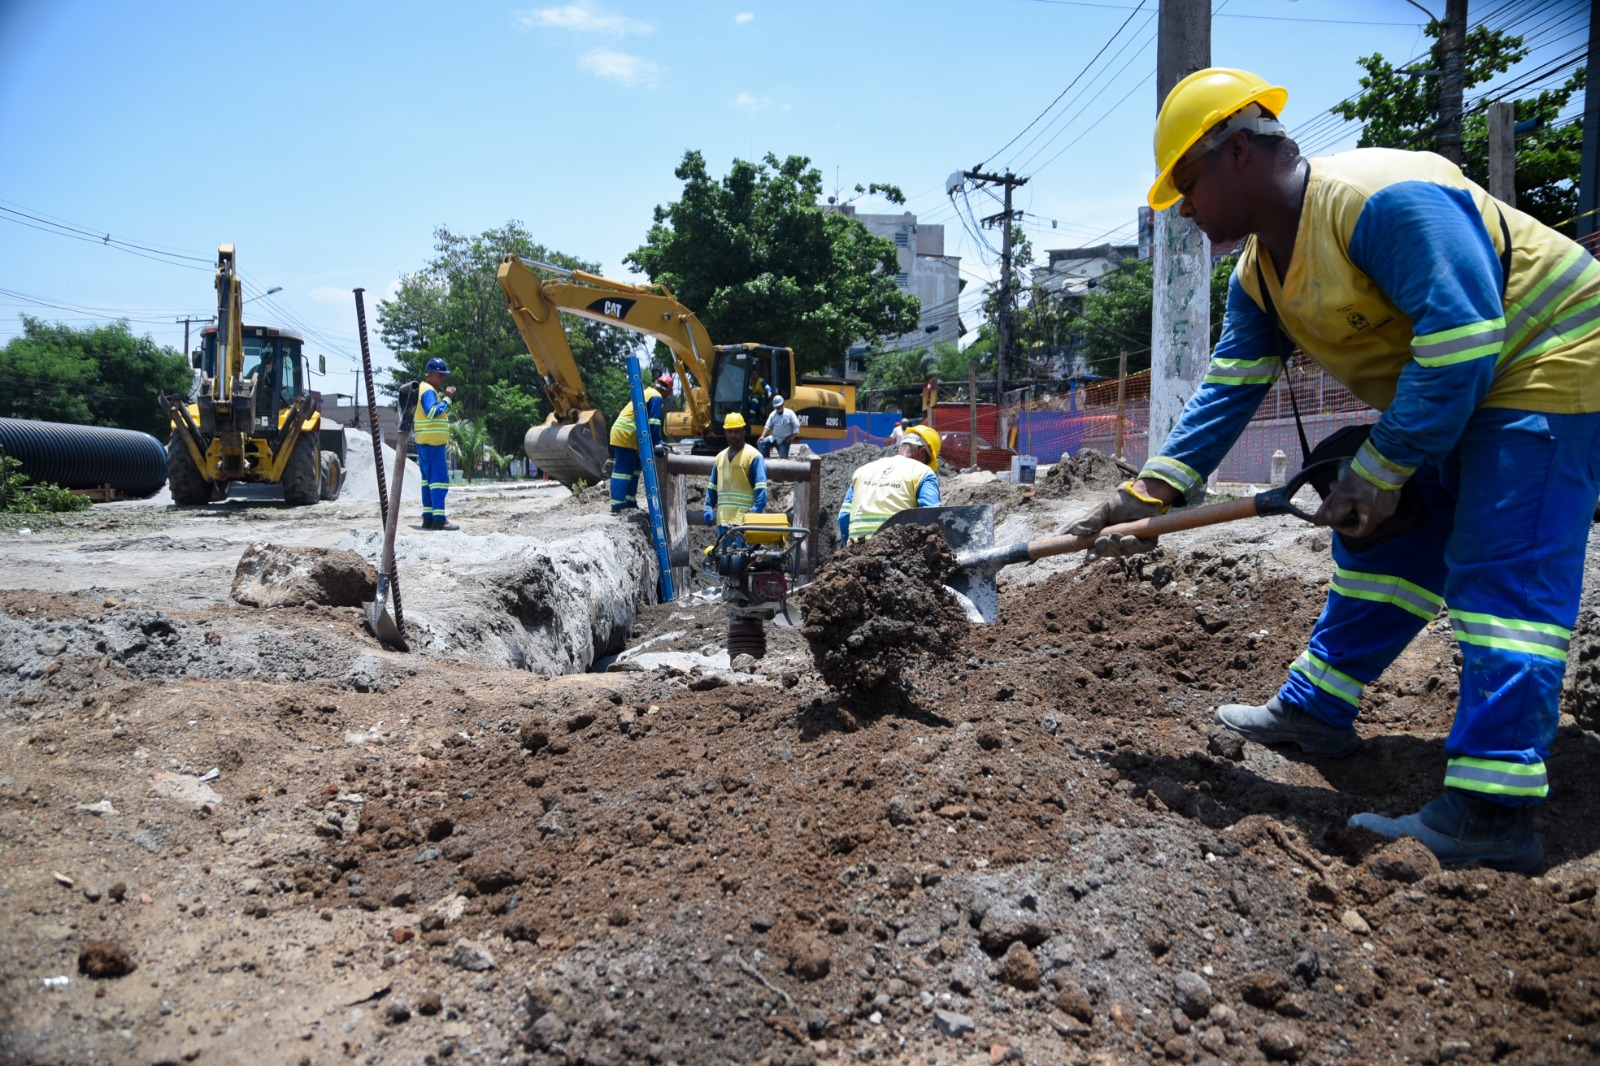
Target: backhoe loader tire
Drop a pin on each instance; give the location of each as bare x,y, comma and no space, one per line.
302,483
332,476
183,477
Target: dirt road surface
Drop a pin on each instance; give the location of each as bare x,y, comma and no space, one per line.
239,834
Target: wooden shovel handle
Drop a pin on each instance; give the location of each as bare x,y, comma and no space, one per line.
1173,521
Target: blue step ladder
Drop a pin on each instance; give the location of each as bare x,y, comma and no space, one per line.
652,486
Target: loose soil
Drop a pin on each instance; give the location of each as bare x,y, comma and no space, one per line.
230,833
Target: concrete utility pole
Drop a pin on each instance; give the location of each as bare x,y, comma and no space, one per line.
1589,182
1503,152
1180,326
1003,313
185,322
1453,46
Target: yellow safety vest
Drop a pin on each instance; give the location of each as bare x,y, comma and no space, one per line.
435,428
1547,358
624,434
882,488
735,494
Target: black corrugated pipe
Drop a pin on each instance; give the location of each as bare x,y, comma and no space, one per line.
86,457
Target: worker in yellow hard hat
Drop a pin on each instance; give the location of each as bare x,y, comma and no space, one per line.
1471,328
738,478
895,483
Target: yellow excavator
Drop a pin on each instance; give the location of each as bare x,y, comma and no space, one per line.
572,444
254,417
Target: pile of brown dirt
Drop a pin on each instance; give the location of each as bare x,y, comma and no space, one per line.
1088,469
877,614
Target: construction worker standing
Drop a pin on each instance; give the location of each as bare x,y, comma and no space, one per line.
738,480
892,484
625,465
1470,326
433,439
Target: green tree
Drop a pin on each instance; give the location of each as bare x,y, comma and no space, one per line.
453,308
98,376
1399,106
757,258
470,445
1116,315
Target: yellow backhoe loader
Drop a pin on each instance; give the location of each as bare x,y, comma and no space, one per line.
572,443
254,418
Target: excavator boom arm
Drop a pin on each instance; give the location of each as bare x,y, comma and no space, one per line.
646,309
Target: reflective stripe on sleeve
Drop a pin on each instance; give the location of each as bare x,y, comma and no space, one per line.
1243,371
1461,344
1370,464
1180,476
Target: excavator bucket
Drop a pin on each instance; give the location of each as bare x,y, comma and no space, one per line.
570,452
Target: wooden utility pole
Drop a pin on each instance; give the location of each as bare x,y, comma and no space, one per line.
1003,314
1453,48
1180,326
1503,152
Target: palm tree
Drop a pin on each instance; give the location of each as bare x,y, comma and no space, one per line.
469,446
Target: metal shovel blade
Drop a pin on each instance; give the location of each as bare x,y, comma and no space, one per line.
380,621
969,529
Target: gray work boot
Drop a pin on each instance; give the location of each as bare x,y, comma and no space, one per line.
444,525
1459,828
1277,722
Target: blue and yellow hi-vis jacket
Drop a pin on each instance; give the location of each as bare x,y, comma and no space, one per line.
624,434
1397,288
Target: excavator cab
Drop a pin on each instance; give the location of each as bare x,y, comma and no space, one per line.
746,378
275,374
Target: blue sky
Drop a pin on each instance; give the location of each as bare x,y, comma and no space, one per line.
327,139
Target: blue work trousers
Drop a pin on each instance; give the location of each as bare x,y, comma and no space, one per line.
1509,512
435,467
625,467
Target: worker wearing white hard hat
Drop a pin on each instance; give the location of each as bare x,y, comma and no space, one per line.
782,427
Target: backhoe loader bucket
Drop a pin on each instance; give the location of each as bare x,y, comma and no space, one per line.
570,452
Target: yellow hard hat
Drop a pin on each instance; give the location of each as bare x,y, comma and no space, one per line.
1193,107
930,439
735,420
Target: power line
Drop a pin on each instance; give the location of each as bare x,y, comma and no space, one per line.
1070,84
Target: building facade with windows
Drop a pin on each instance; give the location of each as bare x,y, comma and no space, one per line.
926,272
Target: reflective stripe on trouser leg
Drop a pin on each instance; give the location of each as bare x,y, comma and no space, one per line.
434,467
624,478
1377,602
1516,573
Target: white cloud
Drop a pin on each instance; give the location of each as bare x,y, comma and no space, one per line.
747,102
582,17
620,67
743,17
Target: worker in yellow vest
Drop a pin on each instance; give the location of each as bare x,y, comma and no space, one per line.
738,480
625,464
892,484
433,439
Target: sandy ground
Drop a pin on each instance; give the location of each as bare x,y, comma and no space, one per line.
231,833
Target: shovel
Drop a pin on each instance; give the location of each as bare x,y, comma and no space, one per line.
379,620
969,530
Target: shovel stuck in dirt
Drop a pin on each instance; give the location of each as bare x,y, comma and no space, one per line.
379,620
969,530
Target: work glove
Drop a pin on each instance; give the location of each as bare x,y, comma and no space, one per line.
1128,505
1356,506
661,451
709,516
